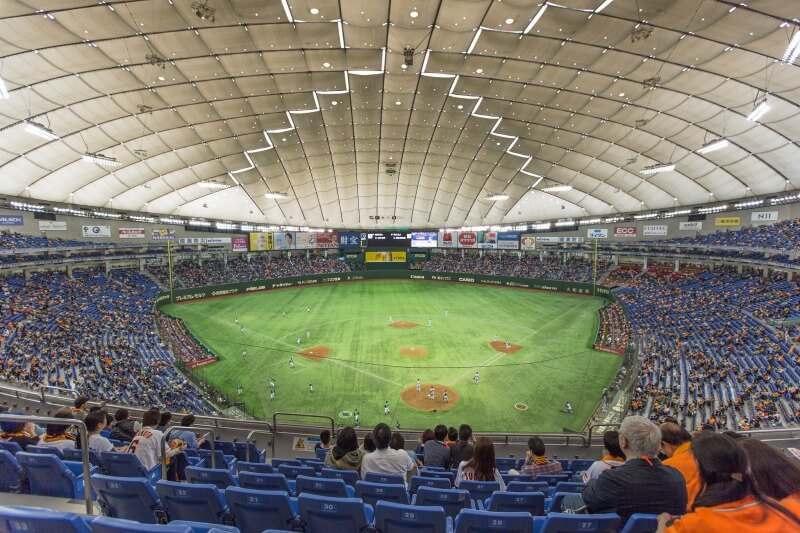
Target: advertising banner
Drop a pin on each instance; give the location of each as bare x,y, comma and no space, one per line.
305,240
528,241
130,233
96,231
762,216
448,239
467,239
239,243
260,242
487,239
283,240
51,225
625,231
728,221
508,240
163,234
385,257
424,239
11,220
597,233
328,240
548,240
691,226
204,240
350,239
654,230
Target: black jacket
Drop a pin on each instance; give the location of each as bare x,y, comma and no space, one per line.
123,430
461,451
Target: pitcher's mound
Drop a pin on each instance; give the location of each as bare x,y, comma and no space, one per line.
501,347
420,400
315,353
414,352
402,325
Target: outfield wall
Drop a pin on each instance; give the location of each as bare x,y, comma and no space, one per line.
198,293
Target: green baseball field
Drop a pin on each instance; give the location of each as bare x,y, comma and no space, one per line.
509,359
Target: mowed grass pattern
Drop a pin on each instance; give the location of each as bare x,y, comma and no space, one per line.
555,365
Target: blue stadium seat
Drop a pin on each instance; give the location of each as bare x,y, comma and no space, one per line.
252,480
222,461
129,498
20,519
256,455
569,486
221,479
479,490
203,527
387,479
261,468
552,479
106,524
227,447
201,502
321,453
128,465
321,514
508,478
441,474
11,447
472,521
641,523
276,462
504,464
509,502
531,486
75,454
553,503
47,450
11,474
316,465
424,481
324,487
452,500
581,523
372,492
49,476
256,510
291,472
580,465
393,517
349,476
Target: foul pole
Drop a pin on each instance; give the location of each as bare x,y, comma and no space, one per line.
169,267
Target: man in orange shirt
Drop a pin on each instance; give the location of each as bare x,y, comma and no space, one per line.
676,443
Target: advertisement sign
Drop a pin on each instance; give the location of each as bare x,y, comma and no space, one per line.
130,233
528,241
96,231
239,244
163,234
654,230
283,240
508,240
728,221
691,226
448,239
625,231
467,239
487,239
597,233
204,240
260,242
305,240
328,240
350,239
424,239
762,216
51,225
385,257
11,220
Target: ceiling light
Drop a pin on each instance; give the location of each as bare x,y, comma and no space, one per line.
479,71
276,196
326,64
3,91
603,6
408,56
536,18
459,106
161,78
558,188
334,102
655,169
712,146
203,12
40,130
414,14
314,11
761,108
101,159
211,185
497,197
793,49
509,21
397,102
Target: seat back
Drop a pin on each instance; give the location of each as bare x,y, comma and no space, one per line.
75,454
221,461
569,486
391,517
46,450
579,465
580,523
129,498
316,465
221,479
10,446
322,514
441,474
452,500
424,481
253,480
256,510
261,468
256,455
479,490
508,478
321,453
227,447
11,476
276,462
183,501
552,479
349,476
472,521
371,493
123,464
291,471
505,464
387,479
105,524
322,486
21,519
641,523
514,502
48,476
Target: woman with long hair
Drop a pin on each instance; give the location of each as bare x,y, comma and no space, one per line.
345,455
482,466
775,474
729,500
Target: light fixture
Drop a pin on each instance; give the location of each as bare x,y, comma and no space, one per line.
497,197
101,159
203,12
414,14
761,108
40,130
536,18
211,185
3,91
713,146
509,21
276,196
326,65
478,71
314,11
557,188
655,169
603,6
408,56
397,102
793,50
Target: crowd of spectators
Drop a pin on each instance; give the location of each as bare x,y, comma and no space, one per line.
10,240
177,337
783,235
622,274
614,331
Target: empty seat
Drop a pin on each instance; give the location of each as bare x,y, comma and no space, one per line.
569,486
261,468
201,502
11,474
256,510
221,479
423,481
441,474
479,490
531,486
253,480
580,523
321,453
388,479
202,527
248,452
291,471
11,447
20,519
105,524
505,464
508,478
226,447
324,487
129,498
316,465
221,461
49,476
641,523
514,502
579,465
472,521
393,517
128,465
47,450
452,500
75,454
349,476
372,492
552,479
277,461
321,514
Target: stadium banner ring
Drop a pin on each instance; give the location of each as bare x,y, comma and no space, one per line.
520,407
345,414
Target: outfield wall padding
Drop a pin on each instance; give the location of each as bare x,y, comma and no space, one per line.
198,293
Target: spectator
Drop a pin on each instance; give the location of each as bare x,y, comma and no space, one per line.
481,467
463,449
368,446
78,410
641,485
146,445
95,423
730,500
23,433
774,474
324,440
56,435
676,443
436,453
164,421
124,429
398,442
612,458
187,435
536,462
384,460
425,437
345,455
452,436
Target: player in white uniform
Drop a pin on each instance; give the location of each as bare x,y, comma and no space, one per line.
311,388
419,385
244,352
386,407
476,378
271,394
432,392
239,390
308,334
445,398
430,322
291,362
298,341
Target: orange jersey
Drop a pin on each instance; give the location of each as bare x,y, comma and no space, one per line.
683,461
744,515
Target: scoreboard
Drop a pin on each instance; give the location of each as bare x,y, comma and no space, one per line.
389,239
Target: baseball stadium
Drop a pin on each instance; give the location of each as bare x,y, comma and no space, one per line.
394,267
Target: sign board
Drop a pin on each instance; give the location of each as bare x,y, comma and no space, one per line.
690,226
350,239
728,221
51,225
528,241
385,257
508,240
424,239
448,239
283,240
96,231
625,231
130,233
163,234
654,230
239,243
467,239
597,233
329,239
204,240
260,242
305,240
763,216
11,220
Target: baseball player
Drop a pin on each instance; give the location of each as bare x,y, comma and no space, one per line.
386,407
432,392
476,378
445,398
419,385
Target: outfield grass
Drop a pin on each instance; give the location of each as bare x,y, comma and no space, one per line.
556,363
